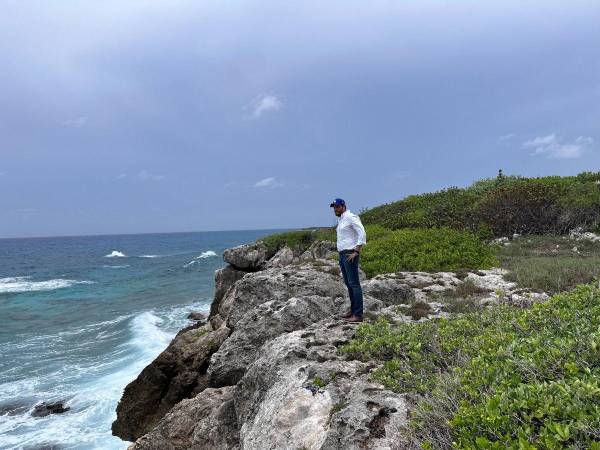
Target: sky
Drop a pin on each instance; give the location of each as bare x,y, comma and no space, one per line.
163,116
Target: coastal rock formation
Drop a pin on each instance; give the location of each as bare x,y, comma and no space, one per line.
278,284
283,257
265,372
224,279
177,373
246,257
207,421
265,322
298,393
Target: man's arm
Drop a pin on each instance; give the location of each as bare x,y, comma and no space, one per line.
362,234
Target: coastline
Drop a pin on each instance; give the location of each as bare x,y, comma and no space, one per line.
264,370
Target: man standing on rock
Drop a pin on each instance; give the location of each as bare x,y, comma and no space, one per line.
351,237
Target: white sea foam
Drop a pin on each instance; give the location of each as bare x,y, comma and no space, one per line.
91,388
116,267
203,255
149,256
116,254
23,284
206,254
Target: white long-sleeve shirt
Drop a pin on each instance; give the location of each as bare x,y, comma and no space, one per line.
350,231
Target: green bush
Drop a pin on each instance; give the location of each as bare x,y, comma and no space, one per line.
500,206
496,379
540,205
298,240
424,250
451,207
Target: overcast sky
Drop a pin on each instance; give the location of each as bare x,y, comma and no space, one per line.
145,116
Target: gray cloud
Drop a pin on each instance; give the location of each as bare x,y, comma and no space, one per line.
269,182
266,103
552,147
350,95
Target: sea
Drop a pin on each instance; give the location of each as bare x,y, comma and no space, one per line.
80,317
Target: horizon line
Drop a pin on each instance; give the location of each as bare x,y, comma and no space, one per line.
154,232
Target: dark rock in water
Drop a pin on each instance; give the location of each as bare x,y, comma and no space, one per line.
13,409
44,409
197,317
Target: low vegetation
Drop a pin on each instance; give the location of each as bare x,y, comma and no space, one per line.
433,249
499,378
297,240
488,377
550,263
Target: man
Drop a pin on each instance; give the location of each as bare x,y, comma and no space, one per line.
351,237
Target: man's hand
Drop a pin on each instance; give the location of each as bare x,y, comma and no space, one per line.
353,255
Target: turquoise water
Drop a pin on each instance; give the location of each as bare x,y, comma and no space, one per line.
80,317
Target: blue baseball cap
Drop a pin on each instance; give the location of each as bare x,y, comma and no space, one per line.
338,202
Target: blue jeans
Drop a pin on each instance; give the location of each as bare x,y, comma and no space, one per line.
350,274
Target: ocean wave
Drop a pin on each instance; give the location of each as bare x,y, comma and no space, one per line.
116,254
203,255
206,254
149,256
23,284
116,267
91,387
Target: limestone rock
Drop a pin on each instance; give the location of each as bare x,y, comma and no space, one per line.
323,249
283,257
246,257
225,278
259,325
278,284
492,280
207,421
280,406
390,290
177,373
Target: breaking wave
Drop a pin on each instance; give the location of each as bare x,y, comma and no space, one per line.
24,284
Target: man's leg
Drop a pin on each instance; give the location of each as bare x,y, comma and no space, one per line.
344,268
354,286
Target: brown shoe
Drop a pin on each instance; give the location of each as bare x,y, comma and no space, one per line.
354,319
346,316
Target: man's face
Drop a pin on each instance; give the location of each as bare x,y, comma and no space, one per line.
339,209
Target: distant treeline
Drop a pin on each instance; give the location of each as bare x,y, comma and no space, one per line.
500,206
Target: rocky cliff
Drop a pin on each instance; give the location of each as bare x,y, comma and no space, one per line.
263,372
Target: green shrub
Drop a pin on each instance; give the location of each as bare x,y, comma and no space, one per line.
540,205
500,206
451,207
425,250
298,240
500,378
